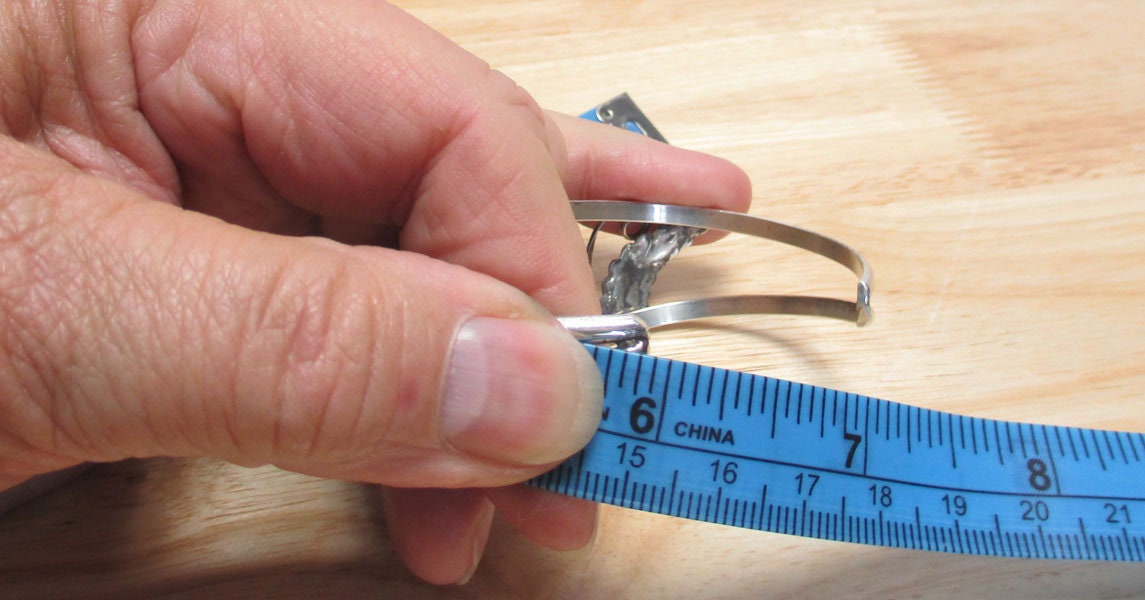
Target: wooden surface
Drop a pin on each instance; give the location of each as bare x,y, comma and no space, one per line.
987,157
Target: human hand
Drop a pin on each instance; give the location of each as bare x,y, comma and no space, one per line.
296,233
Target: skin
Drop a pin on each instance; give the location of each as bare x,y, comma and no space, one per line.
254,231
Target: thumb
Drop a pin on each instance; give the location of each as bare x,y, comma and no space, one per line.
133,328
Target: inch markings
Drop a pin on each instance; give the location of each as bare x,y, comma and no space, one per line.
762,453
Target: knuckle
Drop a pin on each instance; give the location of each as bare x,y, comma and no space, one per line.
324,387
507,92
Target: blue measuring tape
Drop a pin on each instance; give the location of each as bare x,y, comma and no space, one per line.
751,451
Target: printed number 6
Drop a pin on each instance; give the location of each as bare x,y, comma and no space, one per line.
641,418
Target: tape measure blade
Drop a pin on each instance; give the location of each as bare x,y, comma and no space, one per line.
763,453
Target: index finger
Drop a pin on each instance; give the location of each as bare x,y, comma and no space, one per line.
609,163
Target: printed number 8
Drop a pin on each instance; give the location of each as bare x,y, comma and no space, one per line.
1039,477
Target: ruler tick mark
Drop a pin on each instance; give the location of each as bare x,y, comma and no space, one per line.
696,386
822,413
640,358
652,377
1097,450
1050,455
1109,445
1072,446
811,406
683,377
711,385
724,395
739,385
985,438
799,406
973,437
1084,446
909,449
774,408
750,395
1058,437
663,404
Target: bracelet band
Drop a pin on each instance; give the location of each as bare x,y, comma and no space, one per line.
628,285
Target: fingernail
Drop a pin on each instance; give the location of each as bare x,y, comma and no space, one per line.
519,392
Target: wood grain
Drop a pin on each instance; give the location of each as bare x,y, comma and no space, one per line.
988,158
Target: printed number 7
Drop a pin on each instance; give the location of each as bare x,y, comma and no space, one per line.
855,440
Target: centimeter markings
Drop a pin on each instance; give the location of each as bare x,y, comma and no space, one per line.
757,452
